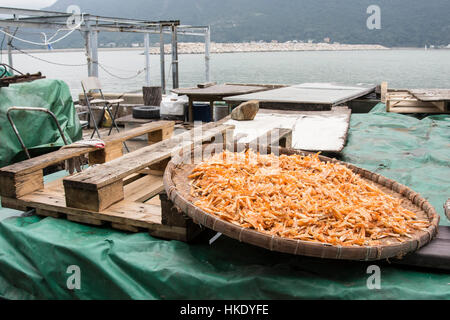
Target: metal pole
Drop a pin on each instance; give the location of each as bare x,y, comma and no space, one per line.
87,44
162,62
207,53
94,53
10,57
147,58
174,58
11,122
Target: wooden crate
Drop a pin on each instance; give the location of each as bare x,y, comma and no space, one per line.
402,101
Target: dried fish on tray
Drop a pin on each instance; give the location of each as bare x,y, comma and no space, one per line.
302,203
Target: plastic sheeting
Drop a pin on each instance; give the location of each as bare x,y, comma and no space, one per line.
35,253
414,152
37,129
4,72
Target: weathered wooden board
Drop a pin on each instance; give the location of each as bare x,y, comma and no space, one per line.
55,157
311,130
308,93
26,176
140,211
434,255
431,94
403,101
218,91
99,187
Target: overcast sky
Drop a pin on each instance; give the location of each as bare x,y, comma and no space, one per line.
26,4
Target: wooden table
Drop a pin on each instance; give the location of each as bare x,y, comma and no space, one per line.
305,96
215,93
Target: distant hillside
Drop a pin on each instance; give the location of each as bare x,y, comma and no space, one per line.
403,22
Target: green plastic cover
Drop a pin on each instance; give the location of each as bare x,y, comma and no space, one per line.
37,129
39,257
4,72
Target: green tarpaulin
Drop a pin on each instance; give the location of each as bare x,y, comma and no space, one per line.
4,72
36,253
37,129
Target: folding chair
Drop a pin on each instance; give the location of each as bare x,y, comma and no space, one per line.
90,85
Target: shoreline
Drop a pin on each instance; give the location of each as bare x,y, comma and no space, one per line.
218,48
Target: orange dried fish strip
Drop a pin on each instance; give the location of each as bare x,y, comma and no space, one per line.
300,197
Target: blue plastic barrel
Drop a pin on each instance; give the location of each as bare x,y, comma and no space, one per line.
201,112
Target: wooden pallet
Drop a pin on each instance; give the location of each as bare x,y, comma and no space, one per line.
403,101
120,192
25,177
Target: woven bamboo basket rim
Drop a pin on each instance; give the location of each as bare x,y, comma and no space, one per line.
176,184
447,208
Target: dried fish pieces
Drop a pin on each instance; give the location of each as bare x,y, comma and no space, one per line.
300,197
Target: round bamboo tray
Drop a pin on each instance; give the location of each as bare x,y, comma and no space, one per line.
176,183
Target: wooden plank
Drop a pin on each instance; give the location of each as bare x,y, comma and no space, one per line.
160,135
174,217
139,131
47,213
443,233
308,93
25,177
431,95
19,185
124,227
43,161
125,215
86,220
415,110
60,155
111,151
96,200
265,85
125,212
90,189
434,255
155,200
218,91
404,102
133,177
118,169
383,91
156,131
144,188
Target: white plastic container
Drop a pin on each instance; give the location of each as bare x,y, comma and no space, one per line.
173,105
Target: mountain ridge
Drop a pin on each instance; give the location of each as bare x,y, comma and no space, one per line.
403,22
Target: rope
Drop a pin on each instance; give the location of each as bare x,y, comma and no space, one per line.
119,77
47,61
80,65
46,42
